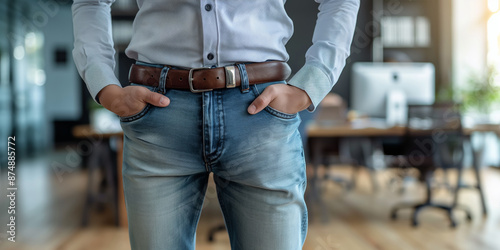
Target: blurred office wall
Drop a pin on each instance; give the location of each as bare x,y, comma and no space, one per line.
5,104
21,78
38,80
64,104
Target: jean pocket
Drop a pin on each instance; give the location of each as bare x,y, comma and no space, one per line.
279,114
136,116
257,89
141,113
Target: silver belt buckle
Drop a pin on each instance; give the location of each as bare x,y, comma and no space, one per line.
190,81
230,76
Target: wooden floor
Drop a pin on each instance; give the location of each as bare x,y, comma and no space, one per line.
50,207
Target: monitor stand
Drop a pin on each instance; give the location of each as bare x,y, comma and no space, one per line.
396,108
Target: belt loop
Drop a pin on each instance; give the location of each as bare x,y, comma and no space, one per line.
163,80
245,86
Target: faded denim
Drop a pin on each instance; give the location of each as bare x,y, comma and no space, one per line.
257,162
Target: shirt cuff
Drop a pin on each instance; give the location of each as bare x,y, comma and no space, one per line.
314,81
98,76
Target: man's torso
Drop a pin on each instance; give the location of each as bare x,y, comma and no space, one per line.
194,33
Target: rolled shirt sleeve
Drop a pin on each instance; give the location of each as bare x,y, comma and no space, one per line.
326,58
93,51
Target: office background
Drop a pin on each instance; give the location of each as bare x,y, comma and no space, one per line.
43,100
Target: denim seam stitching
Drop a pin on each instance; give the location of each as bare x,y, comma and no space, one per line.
245,85
256,90
136,116
163,80
199,206
220,144
210,159
223,207
272,111
279,114
205,146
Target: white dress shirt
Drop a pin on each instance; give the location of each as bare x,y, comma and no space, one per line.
206,33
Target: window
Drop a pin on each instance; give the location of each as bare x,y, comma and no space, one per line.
494,35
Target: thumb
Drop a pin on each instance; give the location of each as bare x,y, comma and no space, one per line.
157,99
261,101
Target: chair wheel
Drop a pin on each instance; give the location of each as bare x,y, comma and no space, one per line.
469,217
394,215
453,224
414,223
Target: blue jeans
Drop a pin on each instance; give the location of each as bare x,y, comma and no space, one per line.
257,162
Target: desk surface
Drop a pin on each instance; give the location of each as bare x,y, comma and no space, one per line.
348,130
86,131
315,130
368,129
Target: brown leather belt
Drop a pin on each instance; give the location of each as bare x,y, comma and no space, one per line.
206,79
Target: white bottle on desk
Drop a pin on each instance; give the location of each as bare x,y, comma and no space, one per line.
396,108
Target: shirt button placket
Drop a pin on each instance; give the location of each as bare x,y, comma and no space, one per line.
210,32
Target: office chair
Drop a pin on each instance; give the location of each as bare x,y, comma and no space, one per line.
330,112
101,160
433,140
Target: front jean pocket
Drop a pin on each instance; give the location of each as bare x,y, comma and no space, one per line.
257,90
137,116
279,114
141,113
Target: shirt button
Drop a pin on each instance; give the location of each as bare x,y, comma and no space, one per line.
210,56
208,7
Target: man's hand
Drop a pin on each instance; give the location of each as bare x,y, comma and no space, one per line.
129,100
285,98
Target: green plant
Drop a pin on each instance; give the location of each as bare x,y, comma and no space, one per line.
445,93
481,93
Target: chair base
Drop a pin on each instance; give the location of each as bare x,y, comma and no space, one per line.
417,208
214,230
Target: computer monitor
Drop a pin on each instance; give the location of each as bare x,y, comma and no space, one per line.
372,84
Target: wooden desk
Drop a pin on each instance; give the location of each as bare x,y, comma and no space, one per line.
369,130
350,130
86,132
365,133
318,136
481,128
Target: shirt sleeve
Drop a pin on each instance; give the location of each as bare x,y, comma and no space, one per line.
93,51
326,58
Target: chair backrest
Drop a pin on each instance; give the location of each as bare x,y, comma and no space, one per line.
332,111
444,117
434,136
